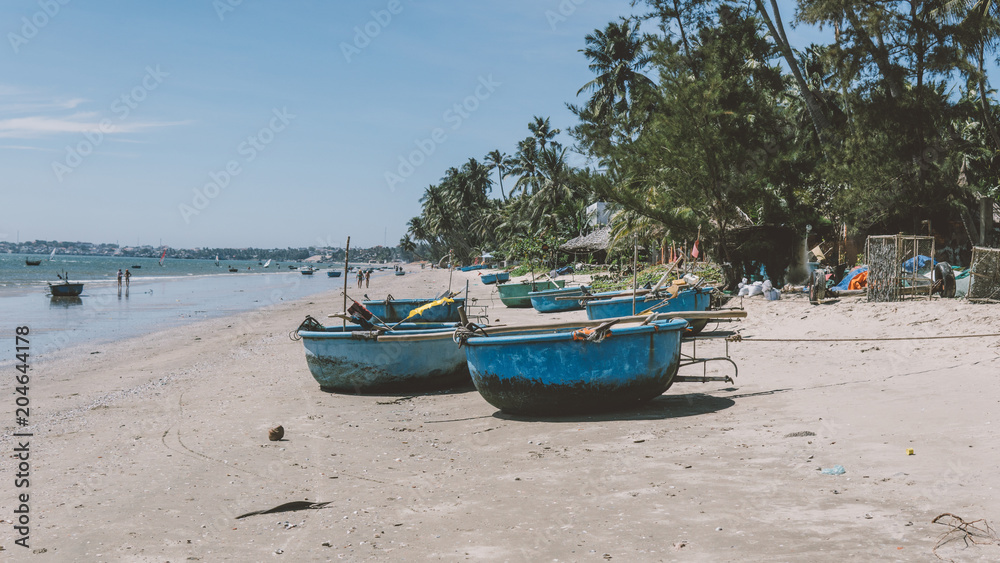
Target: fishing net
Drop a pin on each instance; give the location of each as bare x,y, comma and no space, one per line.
985,283
894,264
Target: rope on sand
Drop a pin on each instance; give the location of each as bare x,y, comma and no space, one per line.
739,338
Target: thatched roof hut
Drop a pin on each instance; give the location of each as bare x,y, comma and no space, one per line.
596,243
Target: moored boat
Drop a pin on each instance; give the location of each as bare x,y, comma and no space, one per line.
694,299
32,262
555,300
515,295
333,273
570,371
65,288
307,271
392,310
499,277
411,357
400,273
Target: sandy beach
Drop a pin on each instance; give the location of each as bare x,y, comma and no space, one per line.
147,449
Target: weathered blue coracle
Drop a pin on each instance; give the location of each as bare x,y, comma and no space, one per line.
333,274
500,277
556,373
546,302
696,299
395,310
412,357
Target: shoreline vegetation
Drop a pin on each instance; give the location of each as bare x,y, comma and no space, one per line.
704,123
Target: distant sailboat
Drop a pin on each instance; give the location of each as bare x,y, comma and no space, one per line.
162,256
216,259
268,263
51,255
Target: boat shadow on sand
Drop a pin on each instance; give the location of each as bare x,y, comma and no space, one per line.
664,407
410,392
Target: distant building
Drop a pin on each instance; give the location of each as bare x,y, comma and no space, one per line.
598,214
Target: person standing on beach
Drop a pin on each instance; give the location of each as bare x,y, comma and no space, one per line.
128,277
361,276
368,278
119,278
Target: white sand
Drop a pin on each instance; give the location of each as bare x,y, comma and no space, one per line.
149,449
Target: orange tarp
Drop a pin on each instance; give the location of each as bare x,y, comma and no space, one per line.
860,281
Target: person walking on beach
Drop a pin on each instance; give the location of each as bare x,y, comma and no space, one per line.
361,276
368,278
128,277
119,278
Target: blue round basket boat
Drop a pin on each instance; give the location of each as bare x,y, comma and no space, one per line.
562,372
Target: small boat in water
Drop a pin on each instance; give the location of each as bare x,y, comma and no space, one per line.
307,271
410,357
333,273
136,266
393,310
557,300
499,277
232,269
560,371
694,299
32,262
515,295
400,273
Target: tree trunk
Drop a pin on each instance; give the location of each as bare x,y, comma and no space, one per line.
820,123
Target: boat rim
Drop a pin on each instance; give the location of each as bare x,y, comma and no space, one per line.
529,336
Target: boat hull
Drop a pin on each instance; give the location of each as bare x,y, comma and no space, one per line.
515,295
688,300
546,302
66,289
333,273
395,310
489,279
347,362
553,374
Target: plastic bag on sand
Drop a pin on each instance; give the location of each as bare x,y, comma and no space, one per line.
772,295
767,286
756,289
835,470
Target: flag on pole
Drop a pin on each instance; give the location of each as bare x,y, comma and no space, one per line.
694,250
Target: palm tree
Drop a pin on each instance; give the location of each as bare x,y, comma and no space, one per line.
502,163
617,56
526,166
978,25
543,132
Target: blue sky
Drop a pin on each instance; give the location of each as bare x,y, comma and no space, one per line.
249,123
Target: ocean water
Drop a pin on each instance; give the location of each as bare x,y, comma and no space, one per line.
180,292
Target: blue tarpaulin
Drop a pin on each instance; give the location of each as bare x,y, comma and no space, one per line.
924,263
842,286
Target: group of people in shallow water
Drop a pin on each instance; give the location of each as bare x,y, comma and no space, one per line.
127,275
364,276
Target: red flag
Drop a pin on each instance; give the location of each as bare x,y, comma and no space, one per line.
694,250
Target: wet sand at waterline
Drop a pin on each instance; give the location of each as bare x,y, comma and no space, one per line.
147,449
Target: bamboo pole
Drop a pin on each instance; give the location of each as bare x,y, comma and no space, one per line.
347,257
635,273
451,269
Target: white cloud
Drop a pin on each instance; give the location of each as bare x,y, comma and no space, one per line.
38,126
